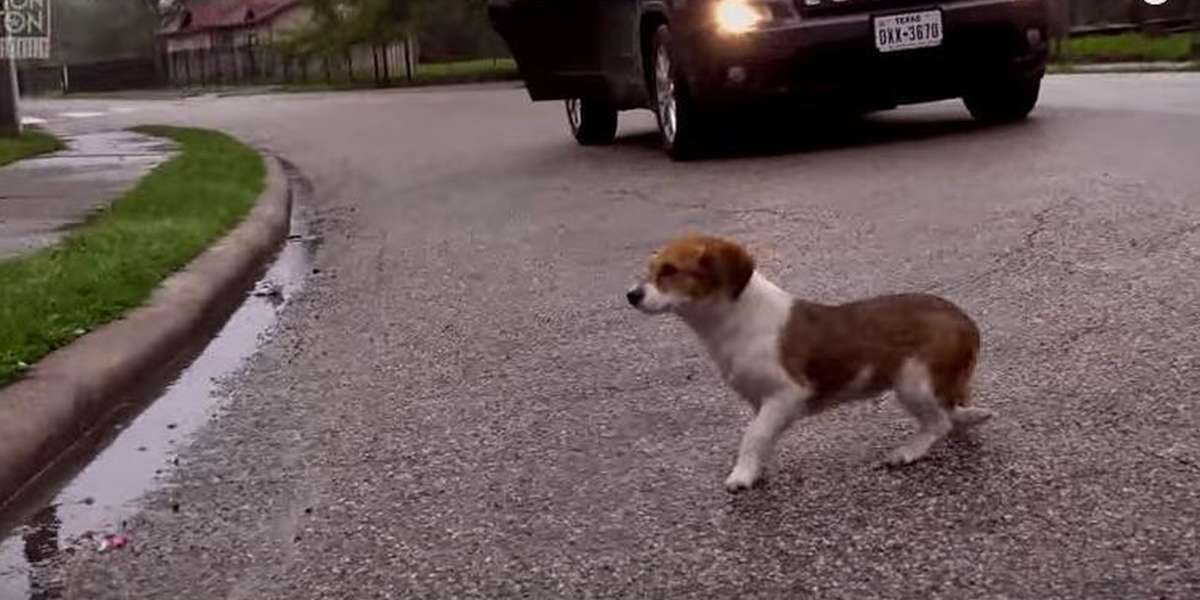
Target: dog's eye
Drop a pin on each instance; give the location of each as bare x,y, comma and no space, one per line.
667,271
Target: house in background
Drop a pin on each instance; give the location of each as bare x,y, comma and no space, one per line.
234,41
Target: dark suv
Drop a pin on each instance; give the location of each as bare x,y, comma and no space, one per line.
694,61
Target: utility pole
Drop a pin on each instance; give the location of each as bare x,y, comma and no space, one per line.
10,114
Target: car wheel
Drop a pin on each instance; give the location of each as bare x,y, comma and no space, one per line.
592,122
1003,103
680,124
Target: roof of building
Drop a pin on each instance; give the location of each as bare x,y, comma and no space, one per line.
224,14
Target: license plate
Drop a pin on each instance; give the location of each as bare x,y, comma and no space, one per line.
909,30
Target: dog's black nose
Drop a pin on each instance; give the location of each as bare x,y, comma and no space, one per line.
635,296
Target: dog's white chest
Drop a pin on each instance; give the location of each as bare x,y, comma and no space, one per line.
753,370
744,342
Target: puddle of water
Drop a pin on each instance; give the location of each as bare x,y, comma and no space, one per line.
129,151
137,455
127,167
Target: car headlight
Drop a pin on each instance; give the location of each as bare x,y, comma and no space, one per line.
740,16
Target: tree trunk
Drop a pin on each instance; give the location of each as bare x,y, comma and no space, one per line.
375,59
408,59
387,77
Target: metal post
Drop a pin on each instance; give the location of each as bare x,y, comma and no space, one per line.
10,112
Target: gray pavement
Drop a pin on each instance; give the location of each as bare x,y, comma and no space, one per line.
41,198
460,405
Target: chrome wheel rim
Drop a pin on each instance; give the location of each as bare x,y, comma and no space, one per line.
575,113
664,84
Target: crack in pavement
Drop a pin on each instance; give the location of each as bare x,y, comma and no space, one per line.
1007,259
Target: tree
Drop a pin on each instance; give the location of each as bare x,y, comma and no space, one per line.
446,29
164,9
459,29
339,24
89,31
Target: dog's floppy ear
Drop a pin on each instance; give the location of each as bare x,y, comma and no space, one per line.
729,264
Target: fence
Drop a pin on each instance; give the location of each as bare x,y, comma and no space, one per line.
206,67
101,76
1080,17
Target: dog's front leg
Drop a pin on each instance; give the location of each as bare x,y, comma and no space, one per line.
774,416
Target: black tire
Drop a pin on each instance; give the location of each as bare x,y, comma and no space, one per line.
593,122
1003,102
681,125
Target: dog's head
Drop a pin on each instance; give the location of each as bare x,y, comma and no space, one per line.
693,270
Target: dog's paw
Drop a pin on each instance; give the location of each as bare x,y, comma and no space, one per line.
740,481
904,455
966,418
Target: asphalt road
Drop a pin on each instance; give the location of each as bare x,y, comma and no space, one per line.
461,405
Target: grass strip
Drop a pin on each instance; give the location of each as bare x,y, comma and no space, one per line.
30,143
113,262
1126,47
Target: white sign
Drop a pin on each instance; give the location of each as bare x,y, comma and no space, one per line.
24,29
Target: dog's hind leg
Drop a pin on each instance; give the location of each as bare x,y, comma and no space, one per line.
914,391
958,396
957,393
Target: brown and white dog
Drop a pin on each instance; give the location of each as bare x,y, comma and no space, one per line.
790,358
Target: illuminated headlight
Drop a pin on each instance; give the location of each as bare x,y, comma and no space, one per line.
740,16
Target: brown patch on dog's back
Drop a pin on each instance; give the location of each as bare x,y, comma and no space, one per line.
827,347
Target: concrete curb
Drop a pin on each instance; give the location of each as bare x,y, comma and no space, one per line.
77,387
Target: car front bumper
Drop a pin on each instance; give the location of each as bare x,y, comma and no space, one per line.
832,60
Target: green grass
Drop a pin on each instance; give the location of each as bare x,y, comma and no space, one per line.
469,70
30,143
1126,47
112,263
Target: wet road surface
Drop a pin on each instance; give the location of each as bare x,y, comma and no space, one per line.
87,499
460,405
